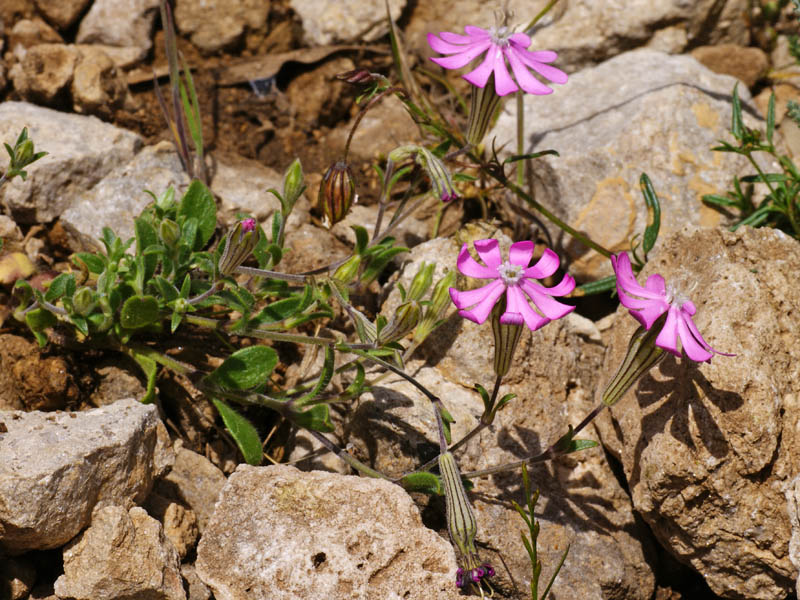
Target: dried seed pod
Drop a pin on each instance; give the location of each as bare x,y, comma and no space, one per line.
337,193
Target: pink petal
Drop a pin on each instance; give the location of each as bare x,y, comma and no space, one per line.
443,47
503,84
489,251
562,288
544,56
548,72
455,38
457,61
520,39
520,253
472,268
655,283
480,312
544,267
526,81
694,350
469,298
480,75
696,333
516,306
626,280
552,309
473,31
668,338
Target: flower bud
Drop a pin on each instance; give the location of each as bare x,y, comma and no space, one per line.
337,193
84,301
439,303
439,175
483,105
643,354
170,232
348,271
239,243
292,186
421,282
506,337
23,153
403,322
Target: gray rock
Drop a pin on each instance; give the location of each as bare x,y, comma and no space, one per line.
179,522
61,13
197,589
31,32
122,555
218,24
642,111
56,468
242,185
82,150
585,32
710,450
45,72
98,86
126,24
326,21
120,196
282,534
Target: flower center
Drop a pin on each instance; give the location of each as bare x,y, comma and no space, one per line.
675,296
500,35
510,274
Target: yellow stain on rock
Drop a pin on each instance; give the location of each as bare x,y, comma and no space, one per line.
706,116
708,217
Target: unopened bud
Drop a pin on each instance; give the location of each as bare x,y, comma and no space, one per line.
421,282
292,186
643,354
170,232
506,338
337,193
83,301
23,153
402,323
440,178
360,76
348,271
239,243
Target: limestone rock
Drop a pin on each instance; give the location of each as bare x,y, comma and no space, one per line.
642,111
31,32
242,185
115,384
45,72
82,150
56,468
710,450
120,196
61,13
197,589
98,87
195,482
746,64
179,522
586,32
280,534
317,93
124,24
330,21
218,24
123,554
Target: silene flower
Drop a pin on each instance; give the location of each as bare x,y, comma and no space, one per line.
516,280
499,44
647,304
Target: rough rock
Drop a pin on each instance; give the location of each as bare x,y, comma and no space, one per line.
17,577
61,13
326,22
45,72
193,481
115,384
642,111
312,247
98,86
56,468
179,522
747,64
125,24
31,32
586,32
554,374
72,166
281,534
317,96
242,185
30,380
197,589
710,450
218,24
123,554
120,196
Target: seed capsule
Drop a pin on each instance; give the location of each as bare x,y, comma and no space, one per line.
337,193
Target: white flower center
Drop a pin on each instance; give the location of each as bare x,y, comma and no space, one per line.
675,296
500,35
510,274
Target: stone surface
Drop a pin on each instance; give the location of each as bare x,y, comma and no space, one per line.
125,24
82,150
16,578
123,554
197,589
554,374
586,32
642,111
56,468
317,96
747,64
45,72
194,481
61,13
30,380
241,185
179,522
710,450
98,86
31,32
326,22
281,534
114,383
120,196
218,24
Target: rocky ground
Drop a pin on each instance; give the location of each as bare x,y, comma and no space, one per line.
693,492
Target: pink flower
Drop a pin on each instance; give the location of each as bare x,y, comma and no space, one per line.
514,278
498,44
646,304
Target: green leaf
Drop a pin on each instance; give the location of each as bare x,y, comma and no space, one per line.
246,368
139,311
39,319
595,287
719,200
771,117
737,126
198,203
242,431
362,238
316,418
81,323
146,237
150,369
577,445
96,264
63,285
518,157
424,482
653,214
323,381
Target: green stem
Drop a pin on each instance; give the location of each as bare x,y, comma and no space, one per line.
347,457
541,14
271,274
520,138
259,333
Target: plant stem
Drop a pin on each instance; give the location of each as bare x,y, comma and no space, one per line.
271,274
259,333
347,457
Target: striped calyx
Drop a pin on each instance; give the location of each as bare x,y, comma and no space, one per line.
643,354
337,192
239,244
506,338
402,323
483,105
